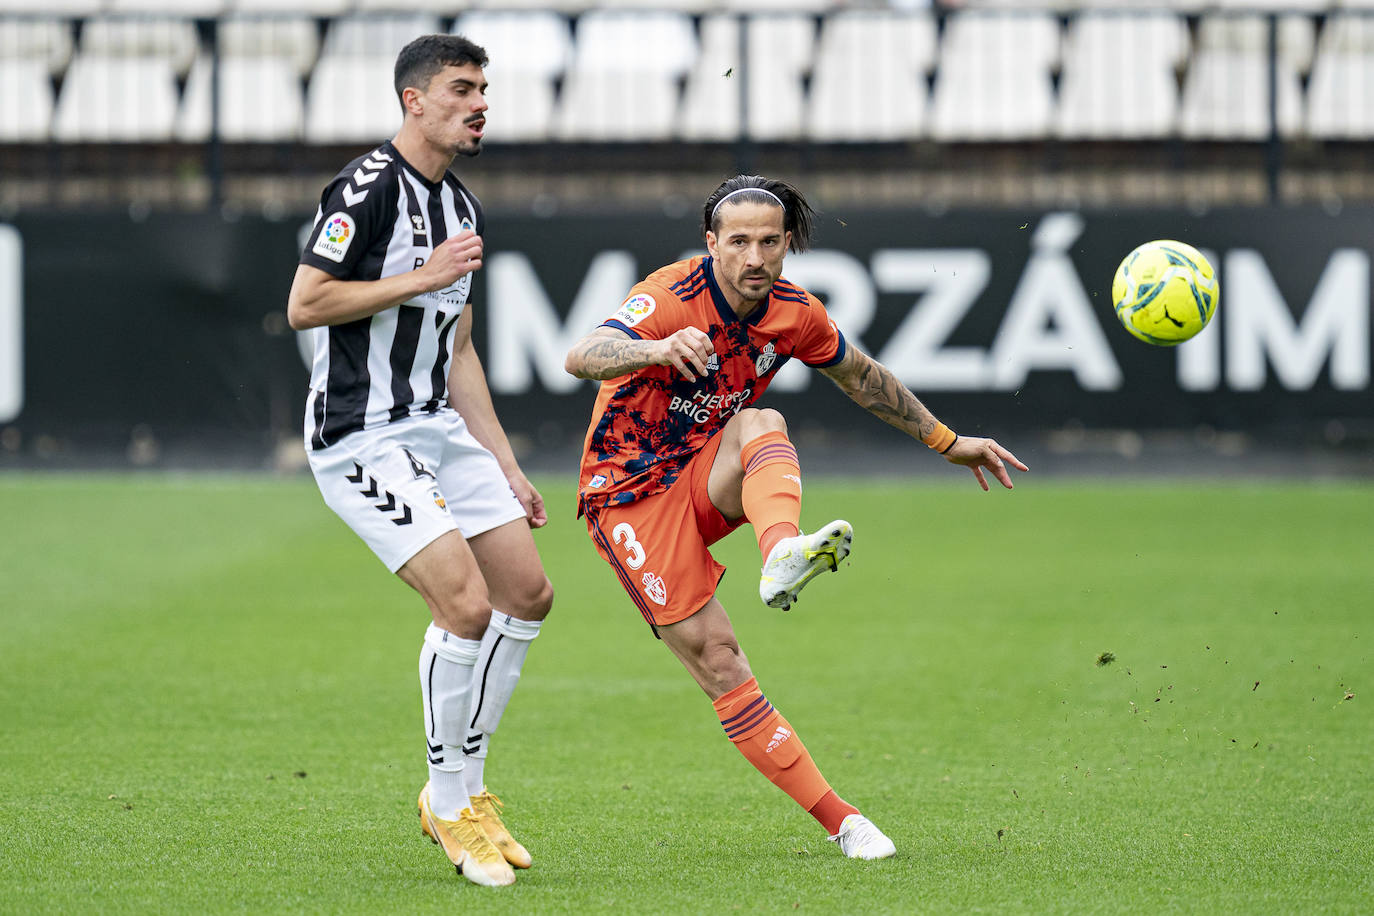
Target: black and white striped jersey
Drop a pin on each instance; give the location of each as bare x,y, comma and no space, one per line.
377,218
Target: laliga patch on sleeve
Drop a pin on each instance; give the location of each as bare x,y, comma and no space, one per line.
635,309
335,236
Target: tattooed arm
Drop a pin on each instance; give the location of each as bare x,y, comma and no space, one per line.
610,353
873,387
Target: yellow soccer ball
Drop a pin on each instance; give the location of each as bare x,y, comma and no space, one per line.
1165,292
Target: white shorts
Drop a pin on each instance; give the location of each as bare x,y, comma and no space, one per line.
402,485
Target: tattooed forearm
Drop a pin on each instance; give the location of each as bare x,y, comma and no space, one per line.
608,357
873,387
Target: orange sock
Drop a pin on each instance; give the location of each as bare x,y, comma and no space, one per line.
831,811
768,741
772,488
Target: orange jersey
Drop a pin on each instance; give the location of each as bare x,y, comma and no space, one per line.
648,424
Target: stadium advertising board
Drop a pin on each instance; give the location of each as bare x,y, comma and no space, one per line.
174,326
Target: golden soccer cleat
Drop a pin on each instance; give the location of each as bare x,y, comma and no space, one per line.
466,845
488,808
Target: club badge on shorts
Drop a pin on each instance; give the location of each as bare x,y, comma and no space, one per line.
655,588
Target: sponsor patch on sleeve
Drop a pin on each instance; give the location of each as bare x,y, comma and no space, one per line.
635,309
336,234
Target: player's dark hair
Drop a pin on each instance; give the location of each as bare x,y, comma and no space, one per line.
422,59
797,216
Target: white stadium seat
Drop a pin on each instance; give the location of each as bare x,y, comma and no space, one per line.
869,81
711,102
993,81
260,100
119,99
1120,75
1340,93
1226,95
611,105
26,100
561,6
440,7
659,42
625,73
190,9
530,41
292,37
166,37
51,7
44,39
320,8
521,106
780,52
350,100
376,35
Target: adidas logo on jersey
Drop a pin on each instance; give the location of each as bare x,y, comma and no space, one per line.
778,738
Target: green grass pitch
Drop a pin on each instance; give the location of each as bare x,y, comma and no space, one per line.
209,702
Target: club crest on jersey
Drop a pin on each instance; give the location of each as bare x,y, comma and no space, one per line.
767,356
335,236
655,588
438,499
596,482
635,309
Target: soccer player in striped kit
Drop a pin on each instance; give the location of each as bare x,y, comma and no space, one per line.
403,439
677,457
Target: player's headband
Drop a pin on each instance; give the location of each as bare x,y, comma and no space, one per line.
743,191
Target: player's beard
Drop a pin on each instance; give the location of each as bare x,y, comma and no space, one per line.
755,294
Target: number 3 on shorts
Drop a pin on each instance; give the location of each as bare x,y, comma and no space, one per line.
623,532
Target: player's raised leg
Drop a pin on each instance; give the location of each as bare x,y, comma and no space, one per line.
521,598
705,643
756,474
446,575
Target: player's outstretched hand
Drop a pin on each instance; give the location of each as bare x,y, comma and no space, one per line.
455,256
976,454
529,497
687,350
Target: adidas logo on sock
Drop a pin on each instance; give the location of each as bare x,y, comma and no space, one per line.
779,737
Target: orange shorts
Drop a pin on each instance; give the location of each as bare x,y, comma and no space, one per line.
658,545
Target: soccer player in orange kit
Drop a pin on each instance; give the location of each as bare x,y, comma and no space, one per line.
677,457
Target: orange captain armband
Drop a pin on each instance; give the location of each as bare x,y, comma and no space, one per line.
940,438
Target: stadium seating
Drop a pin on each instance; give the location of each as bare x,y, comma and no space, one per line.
320,8
869,81
779,53
711,100
699,70
164,37
1226,96
117,99
260,100
623,82
1340,95
350,98
46,39
528,50
26,100
365,36
291,37
351,101
1119,75
993,80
